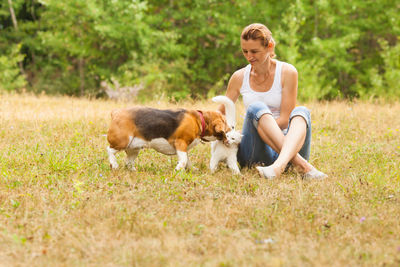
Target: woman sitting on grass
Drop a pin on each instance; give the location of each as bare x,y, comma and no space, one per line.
275,131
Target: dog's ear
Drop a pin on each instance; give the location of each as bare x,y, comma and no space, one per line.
219,126
220,129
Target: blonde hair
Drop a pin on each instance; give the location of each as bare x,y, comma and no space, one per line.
258,31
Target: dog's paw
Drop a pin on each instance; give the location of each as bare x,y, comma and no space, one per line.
213,167
180,166
114,165
236,172
131,167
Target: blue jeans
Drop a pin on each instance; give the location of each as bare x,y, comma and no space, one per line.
253,150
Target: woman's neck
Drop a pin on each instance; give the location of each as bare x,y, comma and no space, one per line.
264,68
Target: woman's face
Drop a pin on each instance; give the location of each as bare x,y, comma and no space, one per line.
254,51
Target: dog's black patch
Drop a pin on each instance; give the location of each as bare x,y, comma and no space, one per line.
156,123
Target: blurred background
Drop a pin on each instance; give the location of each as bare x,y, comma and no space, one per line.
170,49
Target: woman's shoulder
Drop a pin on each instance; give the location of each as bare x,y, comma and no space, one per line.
236,80
289,74
238,75
288,68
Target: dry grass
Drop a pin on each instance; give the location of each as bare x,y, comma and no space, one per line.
61,205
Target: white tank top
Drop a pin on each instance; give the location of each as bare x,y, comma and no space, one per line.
272,98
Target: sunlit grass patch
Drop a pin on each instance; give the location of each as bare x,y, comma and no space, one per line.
61,204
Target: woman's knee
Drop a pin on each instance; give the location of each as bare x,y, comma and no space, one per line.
306,115
255,110
256,107
302,112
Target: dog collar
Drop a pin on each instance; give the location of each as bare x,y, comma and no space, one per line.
203,123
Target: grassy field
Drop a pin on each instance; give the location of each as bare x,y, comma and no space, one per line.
62,205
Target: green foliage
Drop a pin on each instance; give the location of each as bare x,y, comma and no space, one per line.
391,58
386,83
179,49
10,75
93,39
208,36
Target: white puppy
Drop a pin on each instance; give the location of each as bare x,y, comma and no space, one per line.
226,152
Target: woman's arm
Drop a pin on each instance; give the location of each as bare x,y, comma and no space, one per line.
289,94
233,90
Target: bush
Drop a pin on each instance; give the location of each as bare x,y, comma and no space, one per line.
11,78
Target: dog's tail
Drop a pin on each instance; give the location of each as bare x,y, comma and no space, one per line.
230,110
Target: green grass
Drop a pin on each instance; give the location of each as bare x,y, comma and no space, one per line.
62,205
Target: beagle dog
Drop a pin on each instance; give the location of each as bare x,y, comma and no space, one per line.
167,131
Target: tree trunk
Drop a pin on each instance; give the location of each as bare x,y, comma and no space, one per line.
14,19
15,23
81,66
